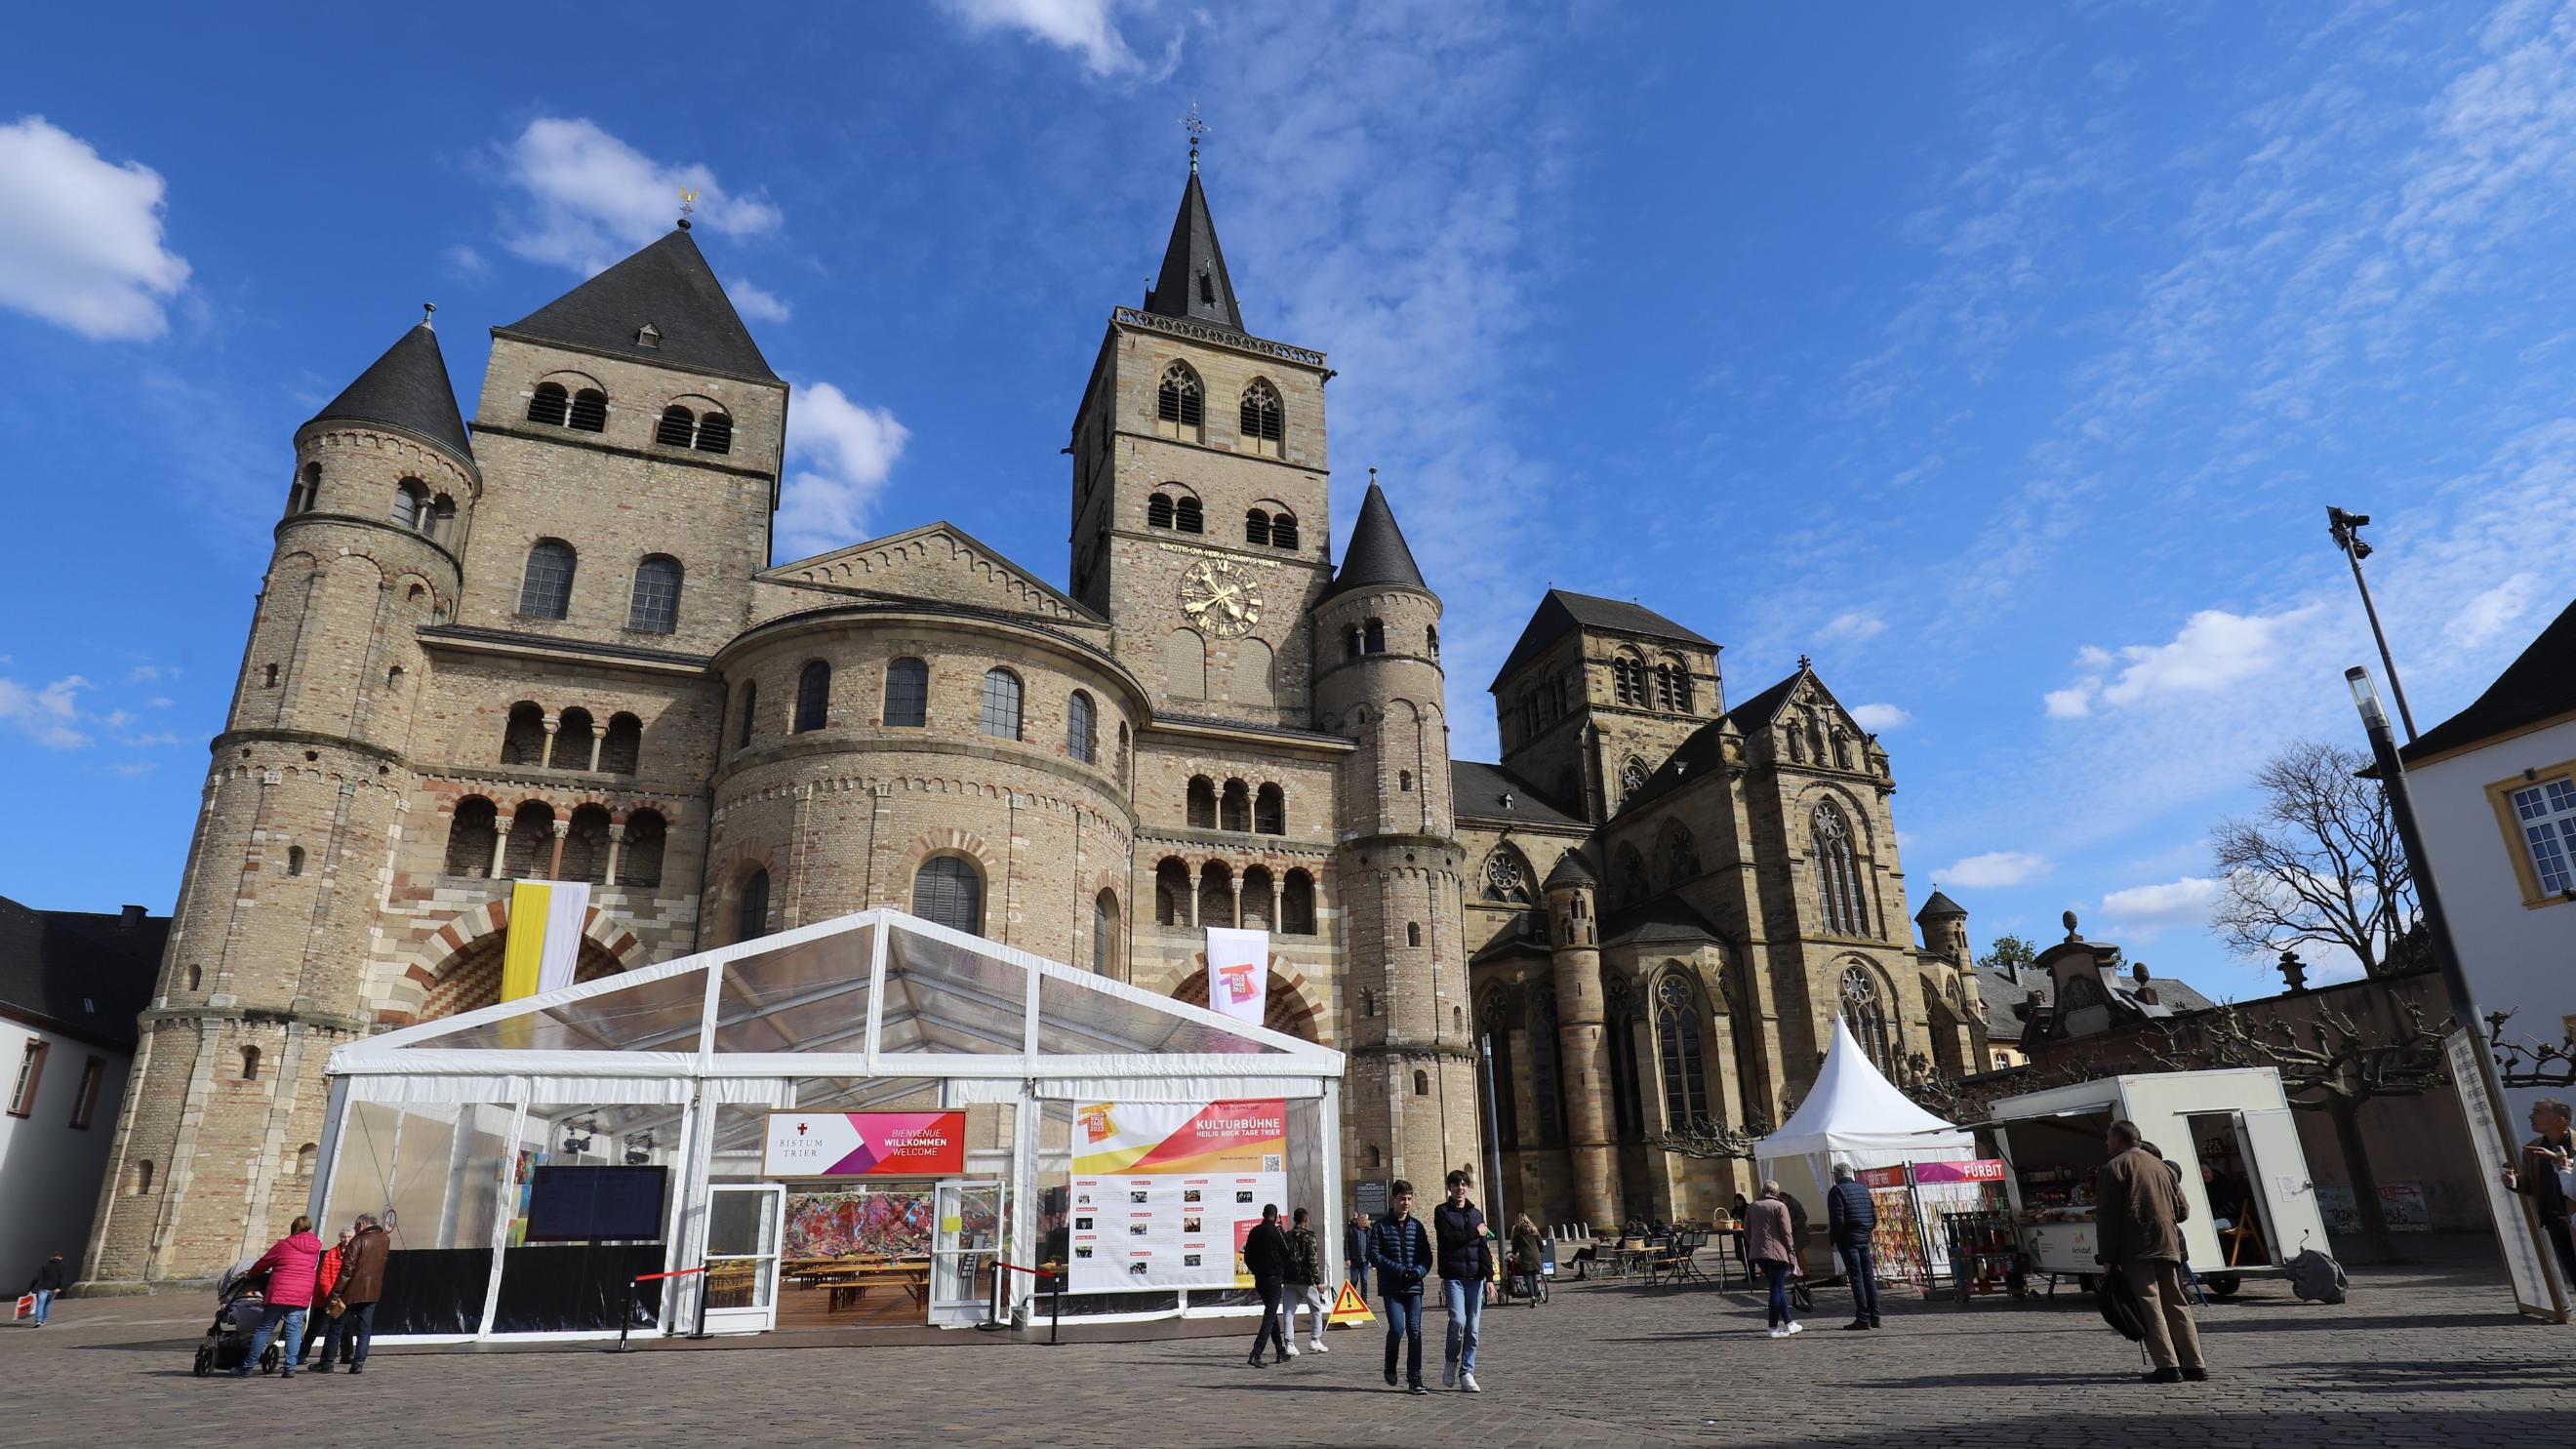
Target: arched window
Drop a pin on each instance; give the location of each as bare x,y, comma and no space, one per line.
1202,802
585,847
1104,932
1180,405
1261,420
523,740
1681,853
573,736
948,891
751,908
1628,680
270,678
1628,880
531,845
306,1157
589,411
1672,687
1413,933
1080,741
442,519
1001,704
1626,1105
639,859
546,591
1216,894
750,708
1431,639
1256,527
1375,640
1865,1012
1633,776
1838,887
1122,761
550,404
907,693
141,1182
1677,1037
655,608
1260,900
1505,878
1171,894
471,834
1158,511
250,1064
1404,781
1496,1019
813,696
1270,811
1297,904
1422,1084
1543,1078
621,750
1351,646
677,428
715,433
1188,516
411,506
1234,811
1283,531
295,860
1371,1155
306,491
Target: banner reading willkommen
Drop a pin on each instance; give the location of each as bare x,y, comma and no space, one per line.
1164,1192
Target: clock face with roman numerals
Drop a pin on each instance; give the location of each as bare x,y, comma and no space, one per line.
1220,598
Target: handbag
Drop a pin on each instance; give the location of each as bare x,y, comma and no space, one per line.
2120,1306
27,1305
1801,1297
333,1307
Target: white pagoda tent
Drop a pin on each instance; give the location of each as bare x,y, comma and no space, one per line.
1854,1114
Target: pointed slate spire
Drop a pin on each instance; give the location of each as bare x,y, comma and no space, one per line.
1378,555
1940,907
1193,284
407,388
667,288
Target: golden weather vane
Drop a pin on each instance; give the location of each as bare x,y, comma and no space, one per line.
688,203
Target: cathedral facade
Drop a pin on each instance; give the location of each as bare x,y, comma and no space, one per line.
553,645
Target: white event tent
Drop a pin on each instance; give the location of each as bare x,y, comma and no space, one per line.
437,1128
1854,1114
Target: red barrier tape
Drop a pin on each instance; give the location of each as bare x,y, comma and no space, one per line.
1032,1272
674,1273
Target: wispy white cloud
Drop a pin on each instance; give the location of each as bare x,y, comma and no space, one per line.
1880,718
1995,870
756,304
2492,612
588,197
81,241
2149,909
465,262
133,768
839,454
1088,28
2214,650
1856,624
50,715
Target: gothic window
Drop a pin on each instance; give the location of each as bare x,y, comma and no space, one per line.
1681,852
1376,636
715,433
470,837
1672,687
1104,932
639,861
1677,1038
750,709
1542,1040
1001,704
573,735
1234,811
1188,516
1260,900
523,740
1866,1014
1626,1105
1505,878
751,908
1283,531
1632,776
1180,406
655,608
1260,420
545,592
589,411
622,748
411,506
1256,527
1297,905
1270,811
907,693
1158,511
1216,894
1629,875
677,427
947,891
1171,894
1498,1031
1627,681
550,404
1838,882
1079,740
813,697
1202,802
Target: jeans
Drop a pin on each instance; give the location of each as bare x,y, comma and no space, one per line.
44,1305
1778,1273
291,1317
1465,1300
350,1334
1274,1315
1864,1280
1359,1275
1404,1326
1313,1298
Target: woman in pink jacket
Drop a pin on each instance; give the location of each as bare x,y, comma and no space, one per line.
292,1263
1770,1240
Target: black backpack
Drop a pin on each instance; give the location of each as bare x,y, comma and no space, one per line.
2120,1306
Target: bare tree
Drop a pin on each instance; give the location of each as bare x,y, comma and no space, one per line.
2532,1062
2331,1064
2318,864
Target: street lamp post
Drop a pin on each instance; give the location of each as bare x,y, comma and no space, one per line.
1493,1126
2346,528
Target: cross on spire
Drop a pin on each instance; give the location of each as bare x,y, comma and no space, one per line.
1197,129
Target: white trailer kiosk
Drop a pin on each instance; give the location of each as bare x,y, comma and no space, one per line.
2229,1131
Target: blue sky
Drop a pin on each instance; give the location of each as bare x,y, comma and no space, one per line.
2001,357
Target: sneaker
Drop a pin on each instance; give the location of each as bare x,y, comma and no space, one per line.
1449,1375
1862,1324
1317,1347
1779,1333
1255,1361
2162,1376
1796,1328
2196,1375
323,1367
357,1368
1392,1381
1288,1350
1417,1388
1468,1382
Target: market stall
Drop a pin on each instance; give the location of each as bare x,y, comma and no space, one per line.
872,1119
2244,1176
1853,1114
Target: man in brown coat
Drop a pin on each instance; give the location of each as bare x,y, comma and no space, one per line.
362,1282
2137,1225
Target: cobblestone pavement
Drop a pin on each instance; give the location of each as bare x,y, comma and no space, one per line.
2419,1356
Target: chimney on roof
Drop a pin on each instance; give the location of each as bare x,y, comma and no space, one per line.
130,917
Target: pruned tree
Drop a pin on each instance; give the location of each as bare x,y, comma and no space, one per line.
1709,1141
2318,863
2331,1063
2532,1062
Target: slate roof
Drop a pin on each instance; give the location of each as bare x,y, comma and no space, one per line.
86,975
668,285
1938,907
407,388
1562,611
2001,994
1509,942
1193,257
1378,556
2540,685
1568,870
1477,789
1666,919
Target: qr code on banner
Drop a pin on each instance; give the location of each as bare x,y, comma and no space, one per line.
1270,1162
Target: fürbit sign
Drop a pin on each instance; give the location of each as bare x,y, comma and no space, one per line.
864,1144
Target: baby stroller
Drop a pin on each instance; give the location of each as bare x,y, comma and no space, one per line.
239,1302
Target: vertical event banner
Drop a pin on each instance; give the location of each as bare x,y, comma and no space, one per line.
540,952
1163,1193
864,1144
1238,972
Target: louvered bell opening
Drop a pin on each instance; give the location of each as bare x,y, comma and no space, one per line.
589,411
1283,532
715,434
1260,417
1158,512
1256,528
549,406
676,427
1188,517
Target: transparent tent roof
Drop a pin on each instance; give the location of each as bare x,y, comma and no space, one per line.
876,994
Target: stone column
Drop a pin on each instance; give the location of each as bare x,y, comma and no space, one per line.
500,847
616,844
554,862
1583,1043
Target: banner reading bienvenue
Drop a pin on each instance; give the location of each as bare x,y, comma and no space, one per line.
1162,1193
864,1144
1238,972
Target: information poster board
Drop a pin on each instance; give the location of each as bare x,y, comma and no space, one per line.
1164,1193
2536,1290
864,1144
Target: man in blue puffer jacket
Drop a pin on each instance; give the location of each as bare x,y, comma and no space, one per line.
1850,1218
1400,1250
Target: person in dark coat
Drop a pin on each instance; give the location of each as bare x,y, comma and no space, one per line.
52,1277
1305,1282
1400,1250
1355,1236
1767,1234
1850,1218
2547,1161
1466,1262
362,1282
1265,1257
2137,1227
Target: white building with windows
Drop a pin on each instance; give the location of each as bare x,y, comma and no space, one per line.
2495,800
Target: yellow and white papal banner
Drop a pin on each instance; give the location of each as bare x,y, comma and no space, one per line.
545,936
